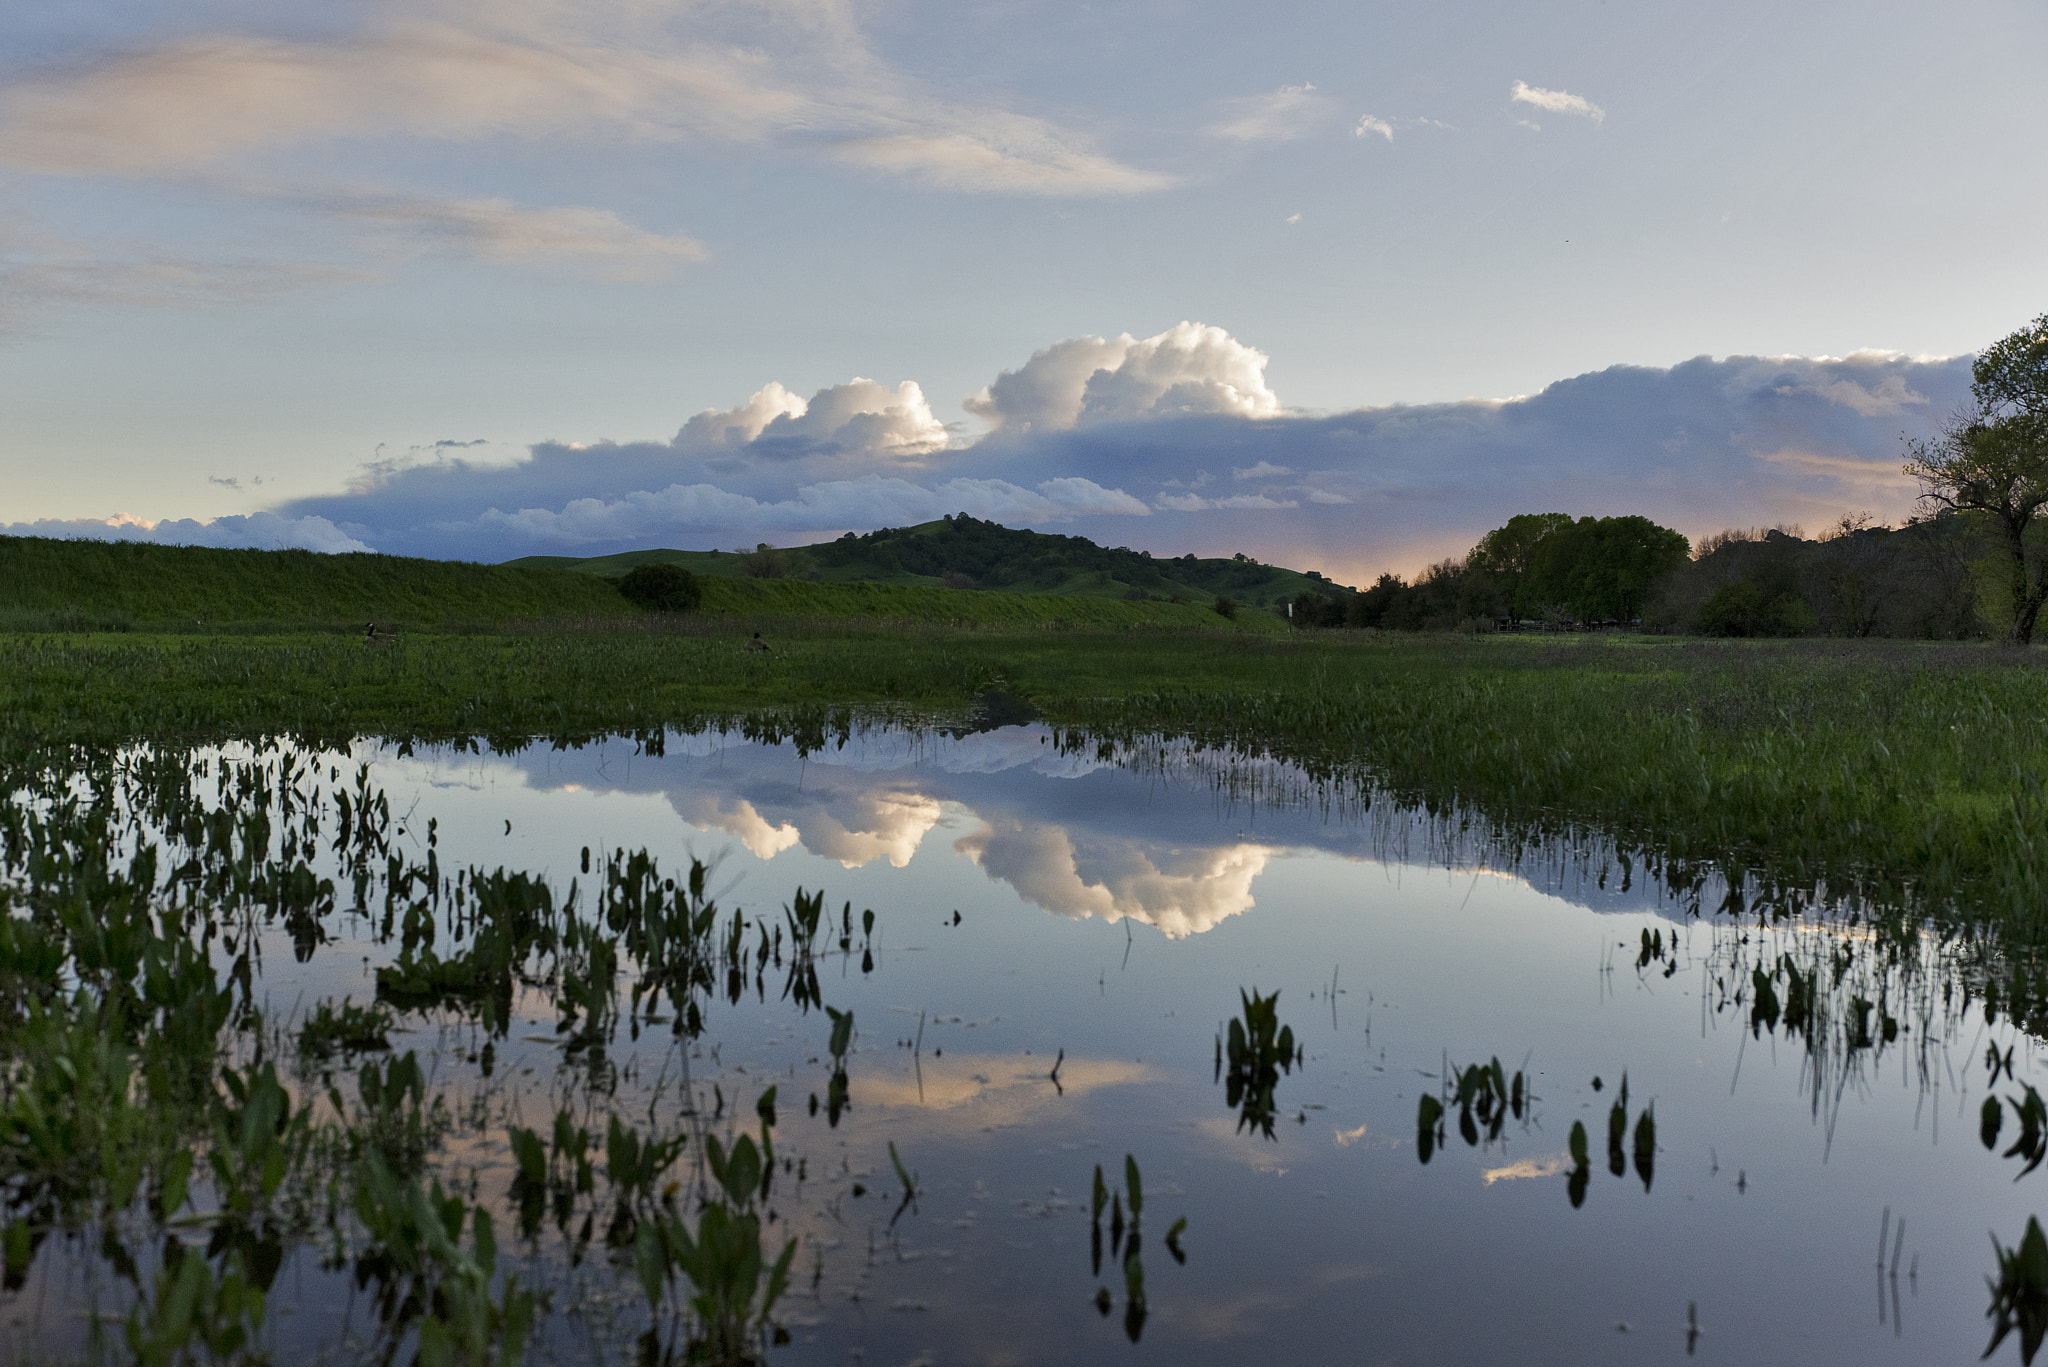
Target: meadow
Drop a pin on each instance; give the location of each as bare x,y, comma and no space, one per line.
1899,774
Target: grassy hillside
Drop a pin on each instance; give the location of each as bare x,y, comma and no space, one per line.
49,585
117,585
965,551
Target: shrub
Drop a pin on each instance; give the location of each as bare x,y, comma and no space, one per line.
1225,608
765,562
1748,608
956,580
662,588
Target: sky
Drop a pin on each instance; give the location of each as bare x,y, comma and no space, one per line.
1339,286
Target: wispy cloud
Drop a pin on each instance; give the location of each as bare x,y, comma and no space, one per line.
1368,125
1290,112
501,231
761,73
1556,101
40,271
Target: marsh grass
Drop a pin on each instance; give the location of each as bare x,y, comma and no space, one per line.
1884,774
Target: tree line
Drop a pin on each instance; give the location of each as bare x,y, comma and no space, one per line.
1974,564
1541,569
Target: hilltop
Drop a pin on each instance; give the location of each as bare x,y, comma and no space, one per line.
966,552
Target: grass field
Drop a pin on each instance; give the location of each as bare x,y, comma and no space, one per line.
51,585
1902,772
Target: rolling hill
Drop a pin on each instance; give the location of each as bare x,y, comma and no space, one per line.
965,552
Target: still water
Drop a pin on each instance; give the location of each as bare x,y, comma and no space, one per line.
1061,937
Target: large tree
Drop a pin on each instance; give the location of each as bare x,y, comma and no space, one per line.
1992,460
1506,555
1604,566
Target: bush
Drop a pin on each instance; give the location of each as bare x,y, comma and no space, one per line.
662,588
956,580
1225,608
1748,608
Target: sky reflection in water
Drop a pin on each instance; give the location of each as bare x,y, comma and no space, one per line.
1774,1170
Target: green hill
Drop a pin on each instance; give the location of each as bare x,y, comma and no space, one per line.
53,585
966,552
118,585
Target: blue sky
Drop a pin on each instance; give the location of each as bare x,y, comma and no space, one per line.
262,265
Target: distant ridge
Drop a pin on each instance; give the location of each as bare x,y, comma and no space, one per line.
966,552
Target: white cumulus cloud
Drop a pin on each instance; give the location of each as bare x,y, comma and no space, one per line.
1180,890
858,416
1556,101
1368,125
1189,368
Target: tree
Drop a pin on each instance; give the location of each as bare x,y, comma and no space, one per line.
662,587
1507,553
1992,459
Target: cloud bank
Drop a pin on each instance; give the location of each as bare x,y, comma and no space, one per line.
1170,443
258,531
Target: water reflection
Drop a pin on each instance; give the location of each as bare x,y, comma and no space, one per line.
567,1024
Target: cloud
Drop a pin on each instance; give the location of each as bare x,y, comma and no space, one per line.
1189,368
761,74
42,271
260,531
1194,503
1556,101
1114,438
979,163
1890,395
1368,125
1292,111
1180,891
859,415
1548,1166
707,512
854,823
501,231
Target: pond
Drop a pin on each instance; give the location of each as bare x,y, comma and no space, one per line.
1143,1050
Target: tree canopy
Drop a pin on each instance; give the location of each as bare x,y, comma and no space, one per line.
1992,460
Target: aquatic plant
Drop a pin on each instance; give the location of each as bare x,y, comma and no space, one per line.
1250,1061
2019,1293
733,1287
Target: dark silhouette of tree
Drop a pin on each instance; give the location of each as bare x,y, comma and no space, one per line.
662,588
1992,460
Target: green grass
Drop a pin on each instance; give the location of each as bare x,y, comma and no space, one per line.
780,600
50,585
1893,771
117,586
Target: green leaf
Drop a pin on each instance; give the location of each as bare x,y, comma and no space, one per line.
1134,1186
177,1181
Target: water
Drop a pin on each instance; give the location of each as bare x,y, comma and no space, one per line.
1060,938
